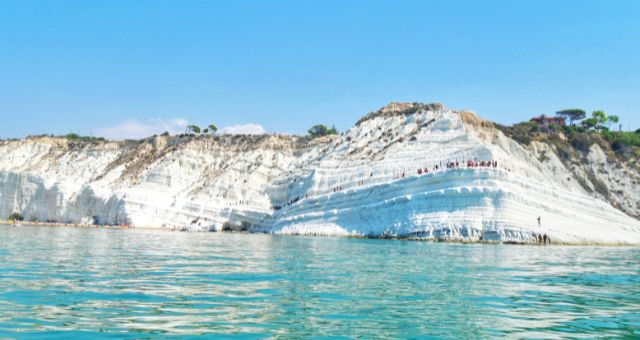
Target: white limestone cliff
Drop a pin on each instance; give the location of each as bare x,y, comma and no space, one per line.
364,182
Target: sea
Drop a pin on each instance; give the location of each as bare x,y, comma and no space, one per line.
65,282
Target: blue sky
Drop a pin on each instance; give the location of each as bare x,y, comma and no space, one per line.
125,68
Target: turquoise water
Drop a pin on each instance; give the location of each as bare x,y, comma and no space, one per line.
67,282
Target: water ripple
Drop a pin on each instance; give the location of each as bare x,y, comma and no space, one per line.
67,282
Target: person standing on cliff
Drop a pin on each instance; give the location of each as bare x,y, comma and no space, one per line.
540,238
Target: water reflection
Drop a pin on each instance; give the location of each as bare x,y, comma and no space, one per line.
148,282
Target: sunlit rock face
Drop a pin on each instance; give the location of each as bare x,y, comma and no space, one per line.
402,171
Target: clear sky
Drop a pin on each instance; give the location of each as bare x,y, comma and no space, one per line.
125,68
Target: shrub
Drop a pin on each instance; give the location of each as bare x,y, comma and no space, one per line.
15,217
625,144
589,123
617,146
72,136
622,138
193,129
212,128
582,141
322,130
77,137
522,132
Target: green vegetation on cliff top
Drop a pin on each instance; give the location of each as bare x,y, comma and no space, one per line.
570,139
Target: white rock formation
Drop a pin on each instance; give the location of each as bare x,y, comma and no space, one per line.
362,183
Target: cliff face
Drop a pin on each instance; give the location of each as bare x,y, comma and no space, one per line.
377,179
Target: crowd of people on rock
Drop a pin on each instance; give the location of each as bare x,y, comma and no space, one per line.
400,175
449,165
474,164
288,203
454,165
488,164
293,201
543,239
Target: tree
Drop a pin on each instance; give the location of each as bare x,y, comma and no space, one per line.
213,129
589,123
600,117
605,121
72,136
15,217
193,128
572,114
318,130
600,121
322,130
